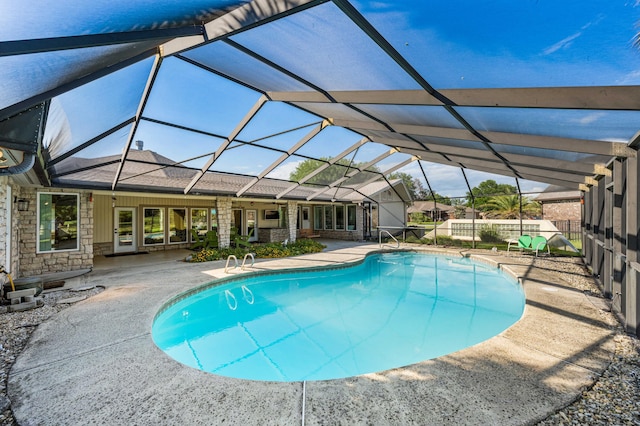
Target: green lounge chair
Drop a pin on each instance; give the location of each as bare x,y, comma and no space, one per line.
196,241
539,243
524,242
241,240
211,239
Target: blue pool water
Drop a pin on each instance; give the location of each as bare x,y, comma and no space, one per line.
392,310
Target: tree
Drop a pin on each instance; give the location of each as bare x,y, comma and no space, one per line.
428,195
508,207
487,189
408,181
331,173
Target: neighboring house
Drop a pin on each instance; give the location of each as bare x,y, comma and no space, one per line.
440,212
560,203
62,228
562,207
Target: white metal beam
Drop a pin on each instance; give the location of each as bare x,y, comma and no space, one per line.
324,166
143,101
591,98
317,129
241,125
352,173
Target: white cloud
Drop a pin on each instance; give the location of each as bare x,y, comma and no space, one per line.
590,118
284,171
632,78
562,44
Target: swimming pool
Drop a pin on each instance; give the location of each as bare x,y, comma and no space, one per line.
391,310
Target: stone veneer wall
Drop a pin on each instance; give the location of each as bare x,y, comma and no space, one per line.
32,263
341,235
223,205
292,219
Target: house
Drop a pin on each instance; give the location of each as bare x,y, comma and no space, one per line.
562,207
559,203
62,228
440,212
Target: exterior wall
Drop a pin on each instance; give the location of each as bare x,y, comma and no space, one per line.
32,263
104,205
568,210
390,211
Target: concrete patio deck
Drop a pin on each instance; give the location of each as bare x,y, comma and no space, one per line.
96,363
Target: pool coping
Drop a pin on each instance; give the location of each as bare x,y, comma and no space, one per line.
109,371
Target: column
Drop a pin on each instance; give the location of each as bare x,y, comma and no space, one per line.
223,206
292,219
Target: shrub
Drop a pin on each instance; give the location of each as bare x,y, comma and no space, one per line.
490,234
265,251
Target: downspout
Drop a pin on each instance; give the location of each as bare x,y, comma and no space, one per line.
27,164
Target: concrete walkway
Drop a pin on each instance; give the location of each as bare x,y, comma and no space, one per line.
95,362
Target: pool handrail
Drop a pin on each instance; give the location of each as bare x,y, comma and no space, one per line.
392,237
253,259
231,256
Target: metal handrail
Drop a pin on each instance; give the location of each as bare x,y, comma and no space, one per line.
392,237
253,259
231,256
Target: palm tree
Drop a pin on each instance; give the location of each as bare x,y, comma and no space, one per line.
508,207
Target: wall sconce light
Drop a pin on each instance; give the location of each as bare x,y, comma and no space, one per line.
23,205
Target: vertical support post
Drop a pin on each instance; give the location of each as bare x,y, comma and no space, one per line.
473,207
520,201
631,295
433,194
618,245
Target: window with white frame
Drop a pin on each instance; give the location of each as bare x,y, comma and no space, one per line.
351,217
153,224
199,221
177,225
328,217
317,217
339,211
58,222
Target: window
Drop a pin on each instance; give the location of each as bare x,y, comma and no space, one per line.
339,217
271,215
153,225
328,217
317,217
58,222
177,225
199,221
284,221
214,219
351,217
